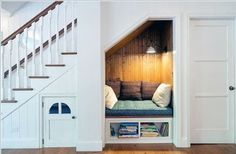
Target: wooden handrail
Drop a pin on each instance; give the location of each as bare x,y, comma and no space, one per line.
29,23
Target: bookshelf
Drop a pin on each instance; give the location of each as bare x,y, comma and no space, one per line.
139,130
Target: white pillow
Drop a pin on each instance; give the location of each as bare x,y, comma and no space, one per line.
162,95
110,97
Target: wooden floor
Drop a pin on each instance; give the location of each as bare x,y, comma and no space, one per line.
137,149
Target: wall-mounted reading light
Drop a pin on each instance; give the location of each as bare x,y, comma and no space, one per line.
151,46
151,50
152,43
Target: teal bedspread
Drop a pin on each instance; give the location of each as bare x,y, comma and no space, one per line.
136,105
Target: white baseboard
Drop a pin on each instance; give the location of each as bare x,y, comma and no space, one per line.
83,146
20,143
183,143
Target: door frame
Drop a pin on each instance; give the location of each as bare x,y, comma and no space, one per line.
201,16
41,114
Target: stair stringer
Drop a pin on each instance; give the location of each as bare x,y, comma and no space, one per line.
38,85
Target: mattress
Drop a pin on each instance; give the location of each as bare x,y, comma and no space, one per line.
138,108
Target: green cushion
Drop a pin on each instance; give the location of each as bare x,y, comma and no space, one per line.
135,105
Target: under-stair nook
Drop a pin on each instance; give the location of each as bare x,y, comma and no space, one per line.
139,69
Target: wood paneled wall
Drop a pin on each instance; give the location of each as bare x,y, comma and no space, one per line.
131,63
167,68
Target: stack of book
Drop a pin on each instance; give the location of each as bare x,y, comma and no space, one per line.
164,130
128,130
149,130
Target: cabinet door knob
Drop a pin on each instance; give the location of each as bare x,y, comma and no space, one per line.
231,88
73,117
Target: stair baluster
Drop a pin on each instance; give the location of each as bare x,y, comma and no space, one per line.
73,30
33,50
57,57
50,40
41,49
10,72
26,82
2,73
65,27
18,61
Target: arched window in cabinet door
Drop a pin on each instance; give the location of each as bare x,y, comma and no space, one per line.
65,109
54,109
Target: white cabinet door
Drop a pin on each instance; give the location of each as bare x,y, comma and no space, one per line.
59,122
211,75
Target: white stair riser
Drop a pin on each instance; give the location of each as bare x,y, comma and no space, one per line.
69,59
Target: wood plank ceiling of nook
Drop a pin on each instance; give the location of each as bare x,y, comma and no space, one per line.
128,38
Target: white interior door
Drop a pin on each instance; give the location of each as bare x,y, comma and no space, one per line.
212,73
59,122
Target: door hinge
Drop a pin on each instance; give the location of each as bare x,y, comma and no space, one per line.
42,104
42,141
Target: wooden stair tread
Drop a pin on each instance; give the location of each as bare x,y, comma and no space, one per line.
55,65
8,101
69,53
22,89
38,77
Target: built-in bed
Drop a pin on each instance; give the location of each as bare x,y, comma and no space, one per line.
136,108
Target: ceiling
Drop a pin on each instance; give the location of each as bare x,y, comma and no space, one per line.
13,6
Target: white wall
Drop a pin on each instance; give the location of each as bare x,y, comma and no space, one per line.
90,78
4,21
121,17
115,22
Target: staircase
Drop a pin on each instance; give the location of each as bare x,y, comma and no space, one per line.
37,54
